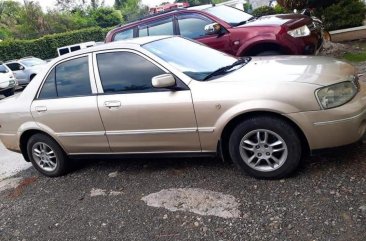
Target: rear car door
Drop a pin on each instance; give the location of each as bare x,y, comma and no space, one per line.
66,107
137,117
192,25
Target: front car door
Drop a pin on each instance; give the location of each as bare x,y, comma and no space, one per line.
66,107
137,117
19,73
192,25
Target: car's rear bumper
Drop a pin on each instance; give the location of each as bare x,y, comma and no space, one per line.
334,127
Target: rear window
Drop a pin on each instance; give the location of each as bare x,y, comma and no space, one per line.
126,34
68,79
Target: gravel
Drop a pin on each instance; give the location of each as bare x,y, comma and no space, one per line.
324,200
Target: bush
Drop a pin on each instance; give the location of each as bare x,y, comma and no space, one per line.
46,47
262,11
344,14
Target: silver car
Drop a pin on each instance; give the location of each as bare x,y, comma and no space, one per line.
26,69
173,96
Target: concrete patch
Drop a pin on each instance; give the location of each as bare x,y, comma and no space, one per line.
101,192
97,192
11,163
9,183
195,200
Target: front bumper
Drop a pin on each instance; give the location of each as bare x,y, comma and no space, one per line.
334,127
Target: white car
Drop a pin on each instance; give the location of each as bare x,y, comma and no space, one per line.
7,81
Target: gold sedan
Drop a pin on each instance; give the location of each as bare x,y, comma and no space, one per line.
173,96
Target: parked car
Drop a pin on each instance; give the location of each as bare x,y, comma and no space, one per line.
25,69
153,96
231,30
7,81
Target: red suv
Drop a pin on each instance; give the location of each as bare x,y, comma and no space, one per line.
231,30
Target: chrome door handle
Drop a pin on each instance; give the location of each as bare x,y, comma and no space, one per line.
41,108
112,104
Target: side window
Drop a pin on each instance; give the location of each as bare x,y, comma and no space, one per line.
160,27
72,78
126,34
14,66
126,72
193,26
49,88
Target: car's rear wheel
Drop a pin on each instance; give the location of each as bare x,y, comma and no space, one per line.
46,155
9,93
265,147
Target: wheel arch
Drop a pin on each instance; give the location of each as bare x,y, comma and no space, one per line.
229,127
257,48
26,135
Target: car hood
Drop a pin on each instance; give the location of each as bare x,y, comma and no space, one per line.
290,20
320,71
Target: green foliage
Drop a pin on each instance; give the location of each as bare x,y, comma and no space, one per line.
343,14
46,46
262,11
280,10
293,4
106,17
355,57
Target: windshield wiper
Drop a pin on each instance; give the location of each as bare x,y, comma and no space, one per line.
244,22
223,70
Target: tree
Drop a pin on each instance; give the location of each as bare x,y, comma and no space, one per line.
293,4
106,17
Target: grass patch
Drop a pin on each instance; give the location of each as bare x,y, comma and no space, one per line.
355,57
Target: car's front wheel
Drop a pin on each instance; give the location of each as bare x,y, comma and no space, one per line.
265,147
46,155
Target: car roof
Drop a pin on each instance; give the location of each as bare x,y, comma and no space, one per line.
129,43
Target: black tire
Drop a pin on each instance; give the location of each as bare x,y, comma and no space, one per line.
287,134
9,93
269,53
61,158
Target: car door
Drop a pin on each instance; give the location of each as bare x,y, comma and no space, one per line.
192,26
137,117
18,71
66,107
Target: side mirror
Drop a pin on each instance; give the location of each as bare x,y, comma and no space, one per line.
163,81
213,28
21,67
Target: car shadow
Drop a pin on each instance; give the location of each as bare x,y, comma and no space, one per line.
345,158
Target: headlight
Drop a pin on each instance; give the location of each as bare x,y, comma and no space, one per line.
336,95
300,32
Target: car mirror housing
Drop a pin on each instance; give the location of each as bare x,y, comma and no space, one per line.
163,81
21,67
213,28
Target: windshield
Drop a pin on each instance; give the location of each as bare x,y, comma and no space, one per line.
232,16
3,69
32,62
194,59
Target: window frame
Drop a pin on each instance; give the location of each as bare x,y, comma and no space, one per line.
153,23
53,67
134,33
15,63
99,86
193,15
